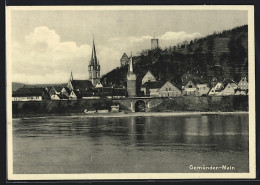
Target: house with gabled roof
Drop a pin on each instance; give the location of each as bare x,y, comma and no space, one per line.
243,84
151,88
65,93
186,77
75,94
55,97
216,90
148,77
99,85
189,89
228,90
169,90
55,92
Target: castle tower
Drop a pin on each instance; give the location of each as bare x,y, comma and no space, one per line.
94,67
124,60
154,43
131,80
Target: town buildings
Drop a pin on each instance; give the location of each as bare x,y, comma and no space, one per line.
149,86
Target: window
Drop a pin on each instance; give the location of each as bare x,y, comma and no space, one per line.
166,89
190,86
169,88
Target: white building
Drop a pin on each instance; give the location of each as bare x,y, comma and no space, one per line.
203,89
243,84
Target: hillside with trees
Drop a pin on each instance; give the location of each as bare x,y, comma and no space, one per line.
222,55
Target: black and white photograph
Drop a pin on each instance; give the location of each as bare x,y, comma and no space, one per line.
130,92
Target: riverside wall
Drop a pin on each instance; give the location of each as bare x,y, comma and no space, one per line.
210,103
184,103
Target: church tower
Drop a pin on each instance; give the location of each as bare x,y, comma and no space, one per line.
94,67
131,80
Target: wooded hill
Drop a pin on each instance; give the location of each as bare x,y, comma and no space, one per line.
223,55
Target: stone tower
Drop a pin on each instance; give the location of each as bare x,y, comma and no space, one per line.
154,43
94,67
131,79
124,60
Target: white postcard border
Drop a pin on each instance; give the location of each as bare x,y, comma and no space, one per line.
118,176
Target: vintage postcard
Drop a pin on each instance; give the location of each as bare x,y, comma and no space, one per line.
130,92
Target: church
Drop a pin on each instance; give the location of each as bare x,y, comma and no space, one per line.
94,74
92,88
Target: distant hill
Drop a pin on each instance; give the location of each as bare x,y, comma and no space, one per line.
16,85
223,55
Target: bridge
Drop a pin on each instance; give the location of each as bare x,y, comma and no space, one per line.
139,104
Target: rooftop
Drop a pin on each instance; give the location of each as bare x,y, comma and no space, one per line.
28,91
82,85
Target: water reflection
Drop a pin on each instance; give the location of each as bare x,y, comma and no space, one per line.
133,137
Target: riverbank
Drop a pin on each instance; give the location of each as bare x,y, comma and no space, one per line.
155,105
132,114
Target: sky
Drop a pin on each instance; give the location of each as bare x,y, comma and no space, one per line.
48,44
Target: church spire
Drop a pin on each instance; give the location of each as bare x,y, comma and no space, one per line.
93,60
71,76
130,68
94,67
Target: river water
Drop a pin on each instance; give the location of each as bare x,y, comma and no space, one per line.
130,144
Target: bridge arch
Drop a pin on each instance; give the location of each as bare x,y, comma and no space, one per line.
140,106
